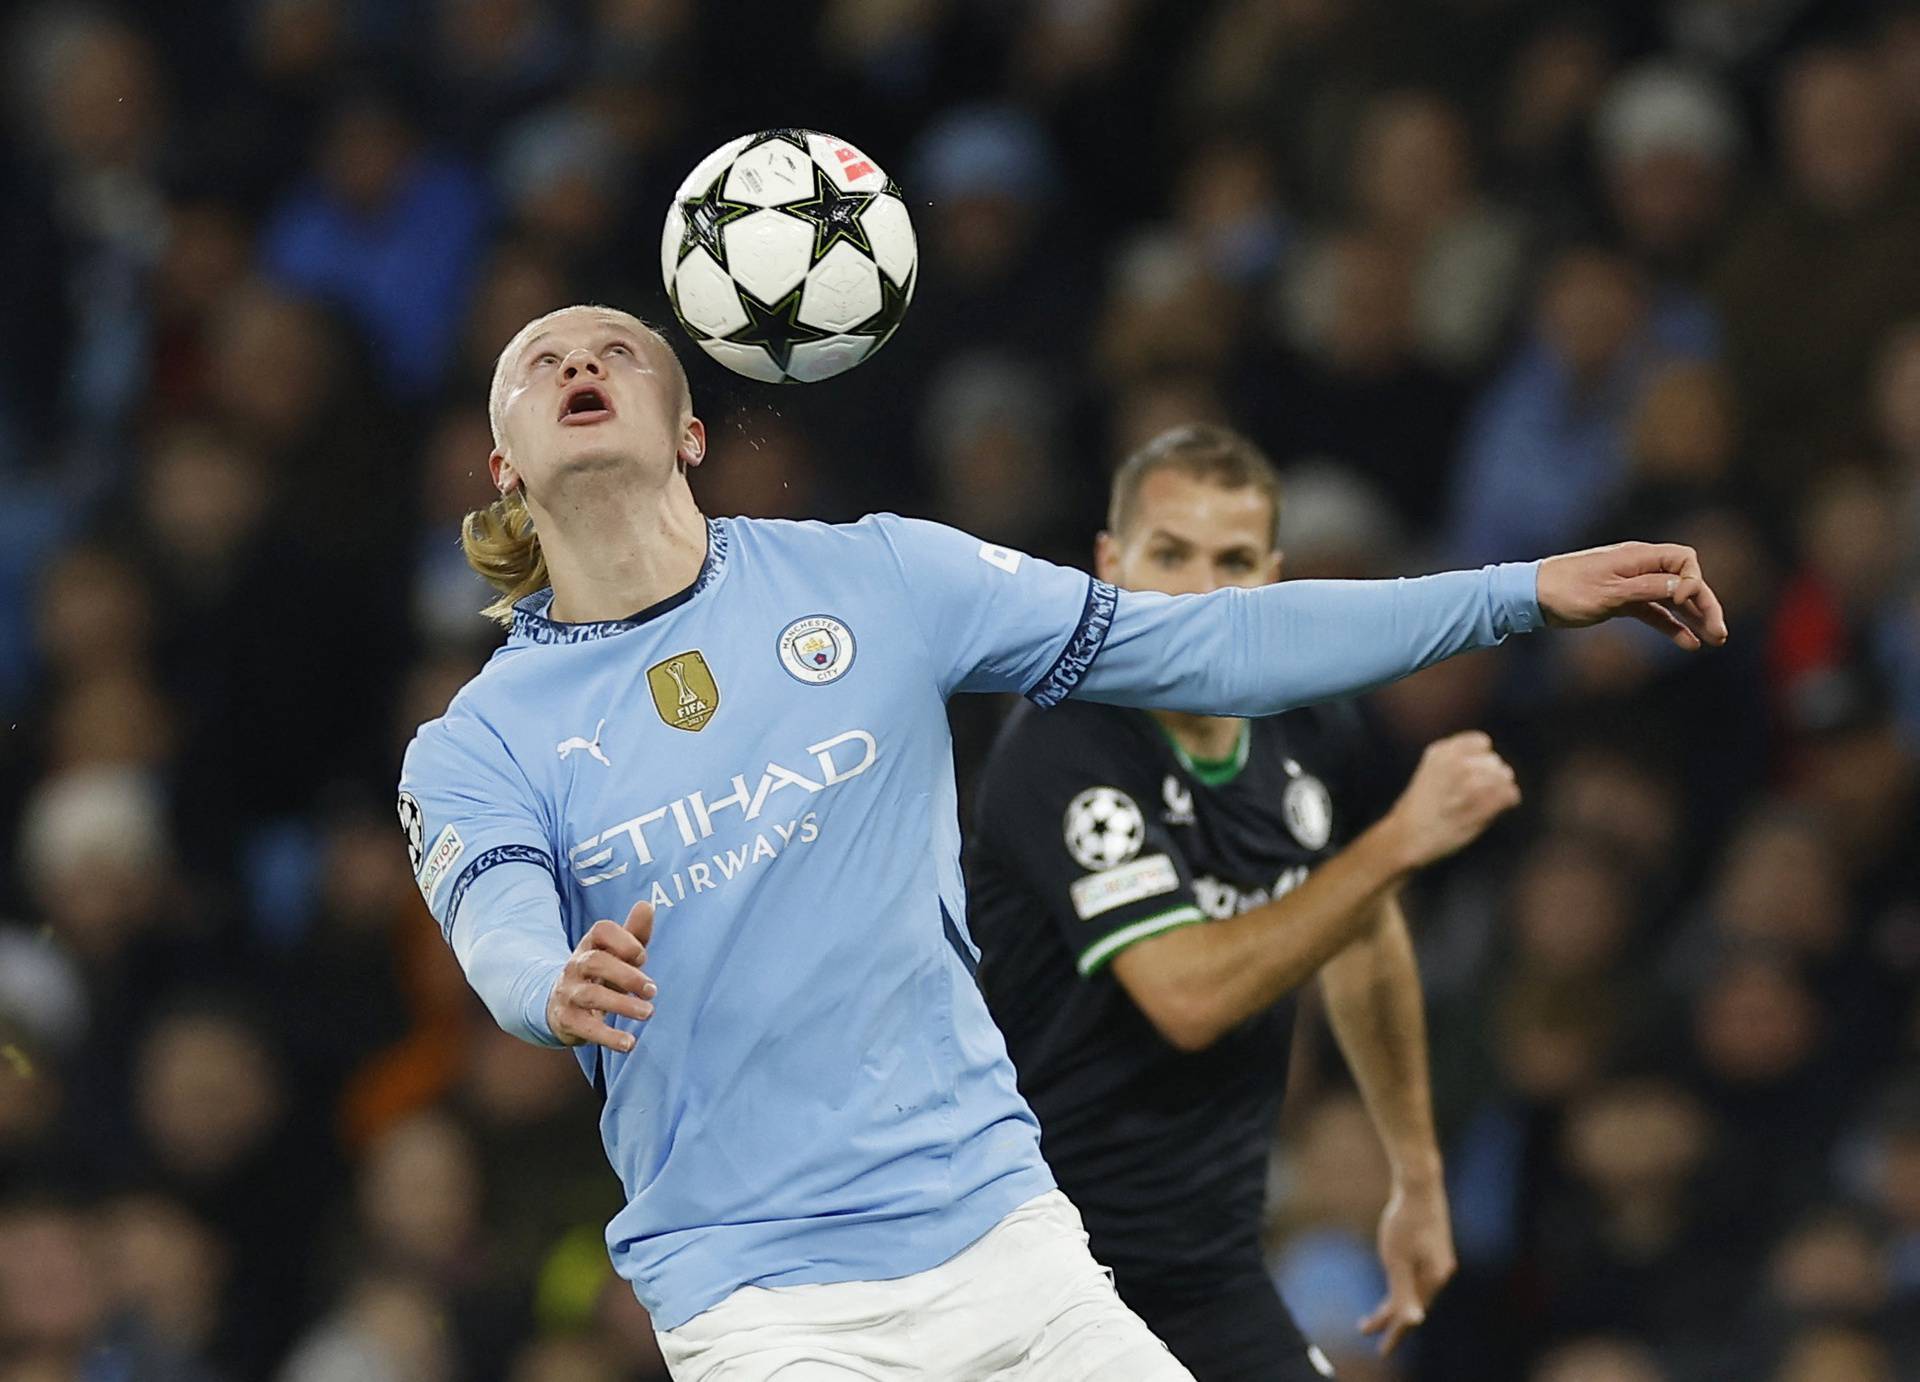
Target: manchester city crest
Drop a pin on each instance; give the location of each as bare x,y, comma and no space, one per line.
817,649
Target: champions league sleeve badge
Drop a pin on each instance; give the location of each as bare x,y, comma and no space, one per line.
817,649
412,822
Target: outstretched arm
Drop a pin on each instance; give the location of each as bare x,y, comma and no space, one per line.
1258,652
992,619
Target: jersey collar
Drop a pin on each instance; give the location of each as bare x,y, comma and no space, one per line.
531,623
1214,772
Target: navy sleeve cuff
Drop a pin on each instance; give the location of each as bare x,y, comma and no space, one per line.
492,858
1089,636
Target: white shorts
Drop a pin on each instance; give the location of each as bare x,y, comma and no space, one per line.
1025,1302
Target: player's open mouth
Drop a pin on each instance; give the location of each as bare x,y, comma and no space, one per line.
584,405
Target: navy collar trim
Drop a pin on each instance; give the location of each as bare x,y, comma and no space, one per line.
531,623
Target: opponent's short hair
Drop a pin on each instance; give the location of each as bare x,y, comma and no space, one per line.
499,541
1205,451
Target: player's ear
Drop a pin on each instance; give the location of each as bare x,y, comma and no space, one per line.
1274,563
505,478
693,443
1106,557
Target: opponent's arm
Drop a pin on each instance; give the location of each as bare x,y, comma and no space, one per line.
1372,990
1257,652
1197,983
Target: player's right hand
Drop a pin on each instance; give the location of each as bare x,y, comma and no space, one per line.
602,977
1658,583
1459,787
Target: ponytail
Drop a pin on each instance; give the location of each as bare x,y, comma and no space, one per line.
500,543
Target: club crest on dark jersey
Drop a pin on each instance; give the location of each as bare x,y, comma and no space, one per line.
1308,809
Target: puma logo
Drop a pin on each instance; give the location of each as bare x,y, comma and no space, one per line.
592,746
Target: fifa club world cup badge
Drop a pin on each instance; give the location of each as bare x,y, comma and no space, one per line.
817,649
684,691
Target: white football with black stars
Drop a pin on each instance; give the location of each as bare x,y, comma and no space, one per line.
788,255
1104,828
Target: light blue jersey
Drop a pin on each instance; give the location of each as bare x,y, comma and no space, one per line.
821,1095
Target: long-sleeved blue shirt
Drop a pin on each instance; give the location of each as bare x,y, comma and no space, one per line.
821,1095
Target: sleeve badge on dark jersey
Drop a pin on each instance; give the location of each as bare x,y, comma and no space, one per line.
1103,828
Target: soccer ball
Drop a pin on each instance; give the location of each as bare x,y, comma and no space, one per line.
788,255
1104,828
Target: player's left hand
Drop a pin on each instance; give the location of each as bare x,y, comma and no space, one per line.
1658,583
602,979
1416,1249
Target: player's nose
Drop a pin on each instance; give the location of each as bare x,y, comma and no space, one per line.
580,362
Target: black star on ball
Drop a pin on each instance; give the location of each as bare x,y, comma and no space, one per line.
893,307
707,215
776,329
833,214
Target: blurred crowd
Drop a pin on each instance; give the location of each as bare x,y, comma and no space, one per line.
1488,278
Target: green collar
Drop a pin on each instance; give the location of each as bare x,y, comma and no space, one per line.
1214,772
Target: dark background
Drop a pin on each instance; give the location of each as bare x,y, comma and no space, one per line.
1488,278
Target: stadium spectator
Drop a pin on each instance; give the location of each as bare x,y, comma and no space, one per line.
385,1328
1822,257
166,1275
1633,1245
1414,182
1547,443
1353,387
389,232
1599,1359
1557,77
1669,142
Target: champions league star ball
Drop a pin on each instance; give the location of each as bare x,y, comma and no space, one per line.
788,255
1103,828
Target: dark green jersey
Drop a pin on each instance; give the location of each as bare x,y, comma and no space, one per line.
1094,832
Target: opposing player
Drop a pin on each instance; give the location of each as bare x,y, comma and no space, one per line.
732,734
1149,889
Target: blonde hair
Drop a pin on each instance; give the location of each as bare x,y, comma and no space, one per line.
499,541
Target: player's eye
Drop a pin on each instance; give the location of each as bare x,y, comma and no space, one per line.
545,357
1237,562
1169,556
619,348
